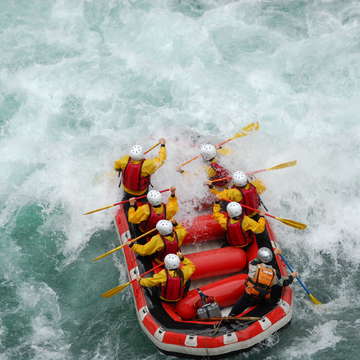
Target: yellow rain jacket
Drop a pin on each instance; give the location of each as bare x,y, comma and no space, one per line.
148,168
234,194
187,267
143,212
210,172
247,223
156,244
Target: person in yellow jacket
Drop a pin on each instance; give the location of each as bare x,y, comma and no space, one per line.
148,215
213,168
136,170
243,191
173,280
168,241
240,228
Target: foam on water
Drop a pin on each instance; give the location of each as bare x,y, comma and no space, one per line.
81,81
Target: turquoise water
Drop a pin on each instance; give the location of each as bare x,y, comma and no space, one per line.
82,80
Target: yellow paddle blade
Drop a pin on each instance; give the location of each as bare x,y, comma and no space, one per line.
108,253
245,130
115,290
183,172
292,223
251,127
283,165
225,151
314,300
96,210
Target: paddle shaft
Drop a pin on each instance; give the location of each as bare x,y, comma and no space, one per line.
227,140
119,203
298,279
245,130
244,318
121,246
292,223
153,147
276,167
189,161
221,179
257,210
257,171
137,198
149,271
121,287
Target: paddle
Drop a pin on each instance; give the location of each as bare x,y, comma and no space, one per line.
118,203
121,246
276,167
121,287
311,296
244,318
220,179
153,147
224,151
292,223
244,132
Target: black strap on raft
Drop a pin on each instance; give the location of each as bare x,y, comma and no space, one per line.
204,298
263,205
119,176
180,274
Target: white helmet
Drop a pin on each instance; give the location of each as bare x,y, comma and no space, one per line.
154,197
164,227
207,151
172,261
265,255
234,209
239,178
136,152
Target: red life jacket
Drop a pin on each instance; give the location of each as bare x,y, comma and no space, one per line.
236,236
132,178
221,172
153,218
173,289
250,198
170,247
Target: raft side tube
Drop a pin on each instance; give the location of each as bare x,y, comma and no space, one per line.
203,228
226,292
216,262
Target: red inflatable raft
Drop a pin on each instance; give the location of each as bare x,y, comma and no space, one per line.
220,273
